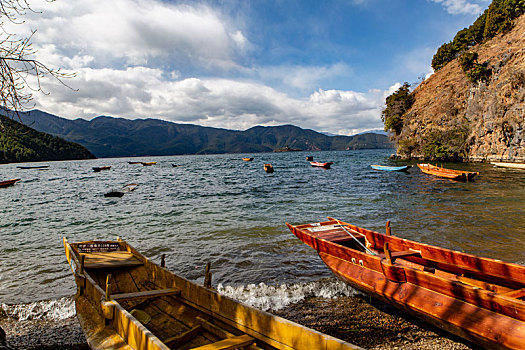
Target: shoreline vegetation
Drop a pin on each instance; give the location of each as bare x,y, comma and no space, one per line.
358,319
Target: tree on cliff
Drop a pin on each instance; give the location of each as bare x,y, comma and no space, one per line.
20,71
397,105
498,18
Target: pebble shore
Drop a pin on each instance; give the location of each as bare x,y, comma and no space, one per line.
357,319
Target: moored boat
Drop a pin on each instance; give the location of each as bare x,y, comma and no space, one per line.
126,301
389,168
33,167
134,162
509,165
479,299
447,173
100,168
246,159
148,163
119,193
8,183
325,165
268,168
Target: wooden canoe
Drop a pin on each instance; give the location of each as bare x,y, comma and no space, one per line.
447,173
389,168
33,167
509,165
476,298
325,165
126,301
8,183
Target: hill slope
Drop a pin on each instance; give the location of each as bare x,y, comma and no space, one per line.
452,117
20,143
117,137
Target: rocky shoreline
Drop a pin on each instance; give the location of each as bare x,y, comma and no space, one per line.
358,319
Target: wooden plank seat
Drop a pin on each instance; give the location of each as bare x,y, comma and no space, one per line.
175,342
99,260
401,254
228,344
145,294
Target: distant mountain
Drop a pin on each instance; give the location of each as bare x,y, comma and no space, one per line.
117,137
20,143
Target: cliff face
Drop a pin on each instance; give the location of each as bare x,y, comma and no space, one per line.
483,121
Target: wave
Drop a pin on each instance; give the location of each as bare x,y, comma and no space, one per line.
273,298
49,310
261,296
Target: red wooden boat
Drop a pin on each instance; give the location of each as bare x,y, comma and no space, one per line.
8,183
448,173
479,299
322,165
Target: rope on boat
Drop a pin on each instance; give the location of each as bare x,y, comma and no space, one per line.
358,241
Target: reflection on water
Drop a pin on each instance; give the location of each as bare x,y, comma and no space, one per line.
230,212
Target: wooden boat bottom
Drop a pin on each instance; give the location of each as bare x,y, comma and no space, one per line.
495,331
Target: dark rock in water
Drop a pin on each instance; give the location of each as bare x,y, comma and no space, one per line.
114,194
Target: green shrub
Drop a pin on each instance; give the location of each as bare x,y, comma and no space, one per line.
447,145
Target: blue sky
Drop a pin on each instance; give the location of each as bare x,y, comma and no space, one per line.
323,65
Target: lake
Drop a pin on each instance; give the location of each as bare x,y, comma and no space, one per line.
223,210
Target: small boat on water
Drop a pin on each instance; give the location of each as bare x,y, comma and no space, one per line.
447,173
126,301
33,167
509,165
148,163
119,193
8,183
325,165
268,168
100,168
134,162
479,299
390,168
247,159
309,158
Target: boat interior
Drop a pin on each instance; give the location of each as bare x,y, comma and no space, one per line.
179,323
485,278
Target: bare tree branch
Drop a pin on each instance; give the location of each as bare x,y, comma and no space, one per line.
20,73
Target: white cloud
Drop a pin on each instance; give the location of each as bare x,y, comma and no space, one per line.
303,77
461,7
135,59
138,32
141,92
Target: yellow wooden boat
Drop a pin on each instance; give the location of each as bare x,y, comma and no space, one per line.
125,301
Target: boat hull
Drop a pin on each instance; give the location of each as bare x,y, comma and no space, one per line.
446,291
509,165
389,168
326,165
8,183
447,173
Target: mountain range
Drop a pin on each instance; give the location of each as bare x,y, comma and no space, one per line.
117,137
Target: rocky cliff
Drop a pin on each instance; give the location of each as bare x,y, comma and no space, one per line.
477,121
